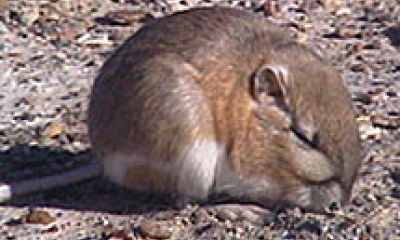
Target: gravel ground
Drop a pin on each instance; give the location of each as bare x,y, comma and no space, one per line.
50,52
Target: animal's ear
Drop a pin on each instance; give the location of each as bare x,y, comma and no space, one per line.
270,85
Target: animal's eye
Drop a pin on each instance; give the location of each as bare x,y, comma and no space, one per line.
314,140
311,139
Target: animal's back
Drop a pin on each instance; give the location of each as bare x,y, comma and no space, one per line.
193,51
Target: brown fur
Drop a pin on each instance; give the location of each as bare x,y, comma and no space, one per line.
189,77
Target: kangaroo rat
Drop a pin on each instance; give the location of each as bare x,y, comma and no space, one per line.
218,100
221,101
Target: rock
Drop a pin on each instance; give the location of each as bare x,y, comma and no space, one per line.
345,11
155,229
393,33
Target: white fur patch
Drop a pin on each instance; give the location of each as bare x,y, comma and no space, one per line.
197,168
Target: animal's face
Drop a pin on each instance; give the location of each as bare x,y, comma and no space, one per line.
317,139
323,116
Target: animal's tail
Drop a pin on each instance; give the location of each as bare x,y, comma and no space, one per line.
10,190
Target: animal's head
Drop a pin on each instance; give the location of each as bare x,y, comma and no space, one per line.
299,94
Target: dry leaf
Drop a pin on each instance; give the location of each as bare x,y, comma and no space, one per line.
119,235
271,7
54,130
38,217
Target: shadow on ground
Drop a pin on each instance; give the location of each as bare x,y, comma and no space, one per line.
24,162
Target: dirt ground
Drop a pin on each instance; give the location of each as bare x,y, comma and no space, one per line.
50,52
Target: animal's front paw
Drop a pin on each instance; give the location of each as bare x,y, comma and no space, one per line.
236,212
